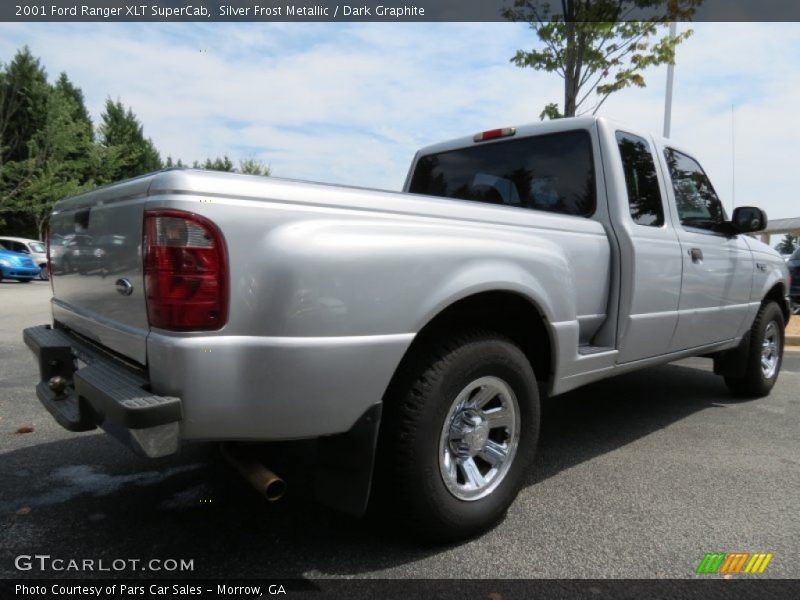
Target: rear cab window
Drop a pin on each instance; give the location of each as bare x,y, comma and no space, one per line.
551,173
641,180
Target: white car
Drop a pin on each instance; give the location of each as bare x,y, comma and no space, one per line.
33,248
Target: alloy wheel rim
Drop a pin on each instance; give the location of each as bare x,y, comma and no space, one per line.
479,438
770,350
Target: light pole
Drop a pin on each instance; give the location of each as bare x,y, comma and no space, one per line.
673,27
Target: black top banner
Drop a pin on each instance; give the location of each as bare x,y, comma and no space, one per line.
389,10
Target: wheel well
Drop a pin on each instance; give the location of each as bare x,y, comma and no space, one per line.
776,294
505,312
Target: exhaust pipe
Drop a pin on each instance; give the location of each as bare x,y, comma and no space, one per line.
267,483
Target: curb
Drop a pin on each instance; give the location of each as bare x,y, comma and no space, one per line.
792,340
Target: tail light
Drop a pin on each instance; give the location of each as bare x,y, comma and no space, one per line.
185,271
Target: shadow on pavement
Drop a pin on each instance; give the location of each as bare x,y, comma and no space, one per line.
90,498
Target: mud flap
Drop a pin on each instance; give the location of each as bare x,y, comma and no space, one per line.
344,465
733,362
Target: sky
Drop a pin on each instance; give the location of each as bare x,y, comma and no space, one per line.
350,103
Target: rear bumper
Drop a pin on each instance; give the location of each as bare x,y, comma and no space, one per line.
102,391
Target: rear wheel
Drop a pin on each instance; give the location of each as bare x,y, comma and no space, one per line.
458,436
765,355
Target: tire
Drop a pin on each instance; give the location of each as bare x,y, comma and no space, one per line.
43,273
765,355
416,483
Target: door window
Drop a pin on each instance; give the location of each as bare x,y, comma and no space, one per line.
697,203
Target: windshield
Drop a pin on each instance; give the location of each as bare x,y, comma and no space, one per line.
553,173
37,247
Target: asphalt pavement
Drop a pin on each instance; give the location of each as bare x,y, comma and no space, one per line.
637,477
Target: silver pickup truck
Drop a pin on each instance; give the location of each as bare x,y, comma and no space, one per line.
410,334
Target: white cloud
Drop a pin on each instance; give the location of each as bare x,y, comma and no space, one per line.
351,103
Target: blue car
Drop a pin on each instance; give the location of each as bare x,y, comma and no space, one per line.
15,265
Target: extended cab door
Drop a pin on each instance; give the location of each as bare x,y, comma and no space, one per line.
717,267
650,254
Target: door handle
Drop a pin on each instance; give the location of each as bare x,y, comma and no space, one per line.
696,254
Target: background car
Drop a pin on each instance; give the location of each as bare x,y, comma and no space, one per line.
17,265
794,272
34,248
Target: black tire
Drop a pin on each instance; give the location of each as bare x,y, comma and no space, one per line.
409,483
755,383
43,275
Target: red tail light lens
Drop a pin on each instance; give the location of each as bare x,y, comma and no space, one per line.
185,271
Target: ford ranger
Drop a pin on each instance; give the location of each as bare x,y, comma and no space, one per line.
413,334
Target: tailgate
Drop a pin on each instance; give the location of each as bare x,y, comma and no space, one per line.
96,260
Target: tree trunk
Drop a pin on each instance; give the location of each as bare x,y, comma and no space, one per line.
570,81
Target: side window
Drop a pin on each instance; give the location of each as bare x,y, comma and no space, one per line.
697,202
644,197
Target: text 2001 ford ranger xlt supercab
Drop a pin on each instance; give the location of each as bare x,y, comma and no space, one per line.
411,334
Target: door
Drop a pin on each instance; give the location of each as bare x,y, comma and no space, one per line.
717,267
651,261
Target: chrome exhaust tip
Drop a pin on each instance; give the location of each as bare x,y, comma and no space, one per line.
266,483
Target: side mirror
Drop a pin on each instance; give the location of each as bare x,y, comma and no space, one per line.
747,219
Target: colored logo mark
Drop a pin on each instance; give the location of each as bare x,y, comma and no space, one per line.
734,562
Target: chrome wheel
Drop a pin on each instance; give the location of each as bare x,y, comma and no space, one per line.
770,350
479,438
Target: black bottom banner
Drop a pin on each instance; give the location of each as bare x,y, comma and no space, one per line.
403,589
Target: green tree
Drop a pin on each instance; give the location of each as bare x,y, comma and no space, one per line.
594,49
58,162
252,166
249,166
217,164
124,151
788,244
23,99
171,163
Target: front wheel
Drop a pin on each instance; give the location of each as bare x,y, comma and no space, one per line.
43,274
765,354
459,434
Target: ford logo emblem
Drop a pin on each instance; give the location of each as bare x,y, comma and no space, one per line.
124,287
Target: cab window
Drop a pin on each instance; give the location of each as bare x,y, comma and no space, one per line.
697,203
641,181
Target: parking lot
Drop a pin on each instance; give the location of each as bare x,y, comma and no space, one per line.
637,476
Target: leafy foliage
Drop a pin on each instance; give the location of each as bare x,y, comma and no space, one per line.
125,152
595,49
49,148
249,166
788,244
